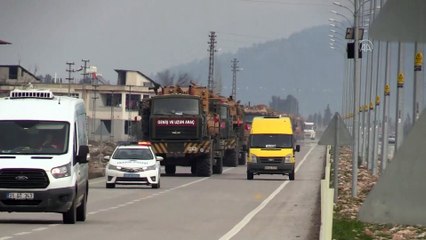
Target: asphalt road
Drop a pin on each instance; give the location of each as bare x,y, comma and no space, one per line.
221,207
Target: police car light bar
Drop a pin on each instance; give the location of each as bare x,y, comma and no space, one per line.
42,94
144,143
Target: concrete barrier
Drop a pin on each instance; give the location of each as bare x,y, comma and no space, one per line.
327,196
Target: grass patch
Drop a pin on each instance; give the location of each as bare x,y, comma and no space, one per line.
345,228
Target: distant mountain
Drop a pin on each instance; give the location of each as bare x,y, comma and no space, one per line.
303,66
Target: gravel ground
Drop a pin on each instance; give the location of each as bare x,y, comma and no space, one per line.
348,206
97,152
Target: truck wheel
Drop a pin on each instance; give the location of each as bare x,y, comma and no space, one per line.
204,167
243,158
230,158
70,216
291,175
82,209
249,175
170,169
218,167
194,168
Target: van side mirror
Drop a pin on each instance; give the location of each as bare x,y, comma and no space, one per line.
297,149
159,158
83,150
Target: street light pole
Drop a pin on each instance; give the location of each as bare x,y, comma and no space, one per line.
377,106
418,82
355,130
399,98
356,91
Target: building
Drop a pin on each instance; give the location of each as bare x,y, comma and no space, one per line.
112,110
16,75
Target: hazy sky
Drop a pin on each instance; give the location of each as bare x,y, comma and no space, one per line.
144,35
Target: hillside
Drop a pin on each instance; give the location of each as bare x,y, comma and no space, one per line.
302,65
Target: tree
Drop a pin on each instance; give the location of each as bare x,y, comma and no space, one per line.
185,79
46,78
318,120
327,115
289,105
165,78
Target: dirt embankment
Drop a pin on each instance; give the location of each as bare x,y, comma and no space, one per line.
97,152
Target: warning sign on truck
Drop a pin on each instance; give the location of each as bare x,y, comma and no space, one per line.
176,122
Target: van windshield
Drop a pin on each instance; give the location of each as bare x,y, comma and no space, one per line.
28,137
271,141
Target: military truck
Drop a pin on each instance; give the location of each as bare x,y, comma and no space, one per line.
188,126
235,153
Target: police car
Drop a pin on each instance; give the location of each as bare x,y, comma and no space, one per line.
133,164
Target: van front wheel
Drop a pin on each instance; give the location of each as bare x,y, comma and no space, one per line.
249,175
82,209
70,217
291,175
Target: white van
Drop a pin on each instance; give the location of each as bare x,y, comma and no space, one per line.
309,130
43,154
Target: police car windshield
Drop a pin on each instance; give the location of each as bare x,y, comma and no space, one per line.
133,153
271,141
29,137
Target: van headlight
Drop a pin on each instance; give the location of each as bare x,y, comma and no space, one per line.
61,171
287,159
253,158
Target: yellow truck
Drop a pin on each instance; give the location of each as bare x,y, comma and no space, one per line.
271,147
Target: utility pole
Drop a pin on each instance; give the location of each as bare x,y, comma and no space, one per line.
129,126
69,78
212,44
85,61
111,137
95,85
235,69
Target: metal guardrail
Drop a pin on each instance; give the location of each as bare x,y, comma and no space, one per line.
327,204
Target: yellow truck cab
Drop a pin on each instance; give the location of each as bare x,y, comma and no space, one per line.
271,147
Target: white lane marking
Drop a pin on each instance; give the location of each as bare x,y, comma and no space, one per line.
39,229
151,196
115,207
21,233
237,228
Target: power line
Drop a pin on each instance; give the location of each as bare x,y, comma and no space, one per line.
309,3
